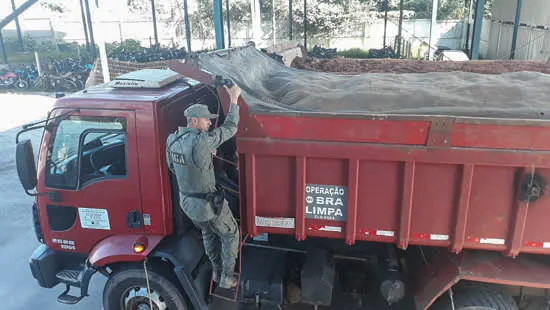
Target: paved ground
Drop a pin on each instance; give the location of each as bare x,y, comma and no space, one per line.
18,289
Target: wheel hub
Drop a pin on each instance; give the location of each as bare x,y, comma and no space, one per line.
137,299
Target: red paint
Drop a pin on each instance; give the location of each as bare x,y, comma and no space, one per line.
251,201
406,205
300,198
502,136
315,227
421,236
534,244
117,196
351,226
518,228
150,117
465,193
463,208
349,130
120,248
367,232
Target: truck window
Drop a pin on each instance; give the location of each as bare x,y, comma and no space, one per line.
83,149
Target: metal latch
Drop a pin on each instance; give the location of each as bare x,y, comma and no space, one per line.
133,219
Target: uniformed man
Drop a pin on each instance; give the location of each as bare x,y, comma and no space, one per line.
189,154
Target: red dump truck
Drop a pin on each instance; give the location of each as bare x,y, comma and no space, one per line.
445,209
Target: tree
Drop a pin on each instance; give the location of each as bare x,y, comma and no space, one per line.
333,17
448,9
55,6
201,15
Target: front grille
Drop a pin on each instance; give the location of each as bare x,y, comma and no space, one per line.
36,224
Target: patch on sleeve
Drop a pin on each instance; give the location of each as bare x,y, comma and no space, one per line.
177,158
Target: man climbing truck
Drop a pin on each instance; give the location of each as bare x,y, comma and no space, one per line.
349,192
189,155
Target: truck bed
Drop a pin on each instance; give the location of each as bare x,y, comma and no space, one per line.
443,182
455,180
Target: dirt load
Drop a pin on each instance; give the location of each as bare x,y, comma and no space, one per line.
345,65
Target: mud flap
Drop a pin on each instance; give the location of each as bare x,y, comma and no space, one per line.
318,278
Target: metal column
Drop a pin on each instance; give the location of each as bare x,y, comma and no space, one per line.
433,27
155,22
469,24
3,49
516,29
305,25
386,8
290,19
478,24
18,27
228,23
90,27
187,26
8,19
85,25
218,24
273,22
400,33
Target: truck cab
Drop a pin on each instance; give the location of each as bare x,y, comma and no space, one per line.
104,195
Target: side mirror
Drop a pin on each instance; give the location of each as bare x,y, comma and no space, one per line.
26,168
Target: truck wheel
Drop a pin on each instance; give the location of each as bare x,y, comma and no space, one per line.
474,296
127,290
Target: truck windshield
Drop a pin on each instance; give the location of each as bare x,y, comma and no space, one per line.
63,162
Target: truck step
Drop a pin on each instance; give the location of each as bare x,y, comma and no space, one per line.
65,298
72,277
226,294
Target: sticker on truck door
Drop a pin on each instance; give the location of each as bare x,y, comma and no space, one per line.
326,202
94,218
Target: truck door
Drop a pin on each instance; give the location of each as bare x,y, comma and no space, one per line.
91,175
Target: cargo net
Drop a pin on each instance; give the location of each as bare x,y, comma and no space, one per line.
271,86
118,68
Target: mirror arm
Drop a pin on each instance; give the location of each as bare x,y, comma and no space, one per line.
26,130
36,194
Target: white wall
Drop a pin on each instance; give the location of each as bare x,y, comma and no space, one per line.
415,30
533,42
533,12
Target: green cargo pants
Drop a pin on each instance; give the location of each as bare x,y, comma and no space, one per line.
221,241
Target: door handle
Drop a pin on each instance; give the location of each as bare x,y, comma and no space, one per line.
133,219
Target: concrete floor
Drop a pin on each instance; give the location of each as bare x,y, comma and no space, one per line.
18,289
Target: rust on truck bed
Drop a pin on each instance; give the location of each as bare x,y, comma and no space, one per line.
472,177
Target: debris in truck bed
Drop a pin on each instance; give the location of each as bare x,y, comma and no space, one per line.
268,86
346,65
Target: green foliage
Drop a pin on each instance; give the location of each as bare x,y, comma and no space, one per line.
45,49
131,46
354,53
448,9
56,6
332,17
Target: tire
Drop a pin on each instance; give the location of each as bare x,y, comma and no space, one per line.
21,84
476,296
127,289
68,85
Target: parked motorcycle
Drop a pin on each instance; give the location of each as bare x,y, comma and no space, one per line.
7,79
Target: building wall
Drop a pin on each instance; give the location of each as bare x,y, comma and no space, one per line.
415,31
533,42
